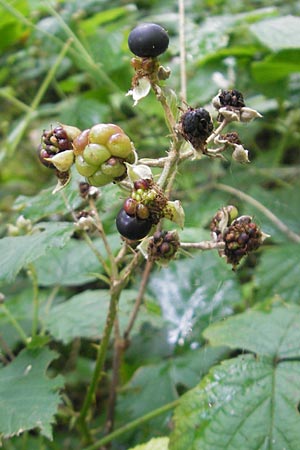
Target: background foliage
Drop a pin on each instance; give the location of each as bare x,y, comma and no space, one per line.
236,378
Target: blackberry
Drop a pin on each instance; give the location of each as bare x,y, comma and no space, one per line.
148,40
131,227
196,126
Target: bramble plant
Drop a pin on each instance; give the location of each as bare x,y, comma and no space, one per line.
100,168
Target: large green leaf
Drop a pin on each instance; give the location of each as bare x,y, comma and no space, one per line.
278,33
47,204
271,329
244,403
154,444
74,264
158,384
249,402
84,315
28,399
278,273
193,292
18,252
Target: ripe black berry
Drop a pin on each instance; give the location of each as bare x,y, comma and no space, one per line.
196,125
132,227
148,40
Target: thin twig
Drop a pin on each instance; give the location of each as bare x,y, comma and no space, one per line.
204,245
139,298
252,201
6,349
183,83
132,425
99,225
14,323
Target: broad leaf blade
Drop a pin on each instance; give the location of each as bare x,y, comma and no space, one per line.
272,331
74,264
225,410
278,33
273,277
194,292
28,399
84,315
18,252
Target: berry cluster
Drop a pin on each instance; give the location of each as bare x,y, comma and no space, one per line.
196,126
163,246
241,237
100,153
144,208
55,142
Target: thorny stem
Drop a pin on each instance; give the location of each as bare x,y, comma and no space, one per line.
252,201
117,357
117,285
101,355
132,425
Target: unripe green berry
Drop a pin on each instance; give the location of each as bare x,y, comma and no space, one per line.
131,158
99,179
119,145
100,133
113,167
95,154
83,168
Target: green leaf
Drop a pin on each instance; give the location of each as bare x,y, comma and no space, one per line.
194,292
74,264
272,330
84,315
18,252
46,204
276,67
244,403
278,33
154,444
28,399
158,384
272,277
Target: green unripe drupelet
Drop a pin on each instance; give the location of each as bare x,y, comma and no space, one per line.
119,145
99,179
113,167
101,132
95,154
83,168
